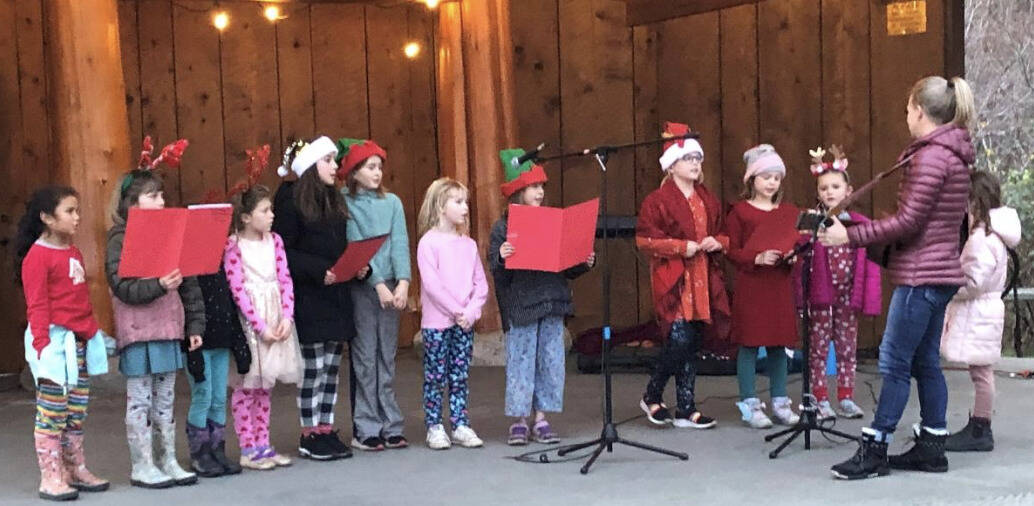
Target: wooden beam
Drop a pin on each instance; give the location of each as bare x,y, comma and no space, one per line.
641,12
88,117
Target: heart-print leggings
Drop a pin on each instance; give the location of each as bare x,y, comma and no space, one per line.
251,417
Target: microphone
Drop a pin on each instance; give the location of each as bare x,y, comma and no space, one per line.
533,154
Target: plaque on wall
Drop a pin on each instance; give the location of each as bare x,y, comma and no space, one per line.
906,17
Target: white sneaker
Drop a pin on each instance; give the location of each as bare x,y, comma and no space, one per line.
437,439
782,411
753,413
466,437
848,409
826,411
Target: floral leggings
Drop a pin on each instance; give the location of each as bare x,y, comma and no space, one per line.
447,356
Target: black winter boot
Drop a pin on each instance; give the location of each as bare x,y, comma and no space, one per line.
217,438
201,460
870,461
976,436
926,455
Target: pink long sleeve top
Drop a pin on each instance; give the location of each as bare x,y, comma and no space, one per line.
235,275
452,279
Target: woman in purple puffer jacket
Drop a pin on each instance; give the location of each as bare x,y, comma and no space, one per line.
923,265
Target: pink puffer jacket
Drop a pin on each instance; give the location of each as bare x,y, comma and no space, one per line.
933,197
975,316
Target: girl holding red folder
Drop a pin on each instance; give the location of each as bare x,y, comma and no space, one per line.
311,218
152,317
762,301
679,229
533,305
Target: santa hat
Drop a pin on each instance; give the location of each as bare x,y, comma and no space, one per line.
761,159
352,152
307,155
676,149
519,177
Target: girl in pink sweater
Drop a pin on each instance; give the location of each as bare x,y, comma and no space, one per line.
452,291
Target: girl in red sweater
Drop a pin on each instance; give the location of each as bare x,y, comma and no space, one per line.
63,344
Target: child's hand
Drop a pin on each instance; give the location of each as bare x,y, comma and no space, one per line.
710,244
591,261
283,329
769,257
506,250
329,278
692,248
387,299
270,334
171,281
195,343
463,322
363,272
401,295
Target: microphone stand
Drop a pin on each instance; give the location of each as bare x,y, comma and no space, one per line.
609,434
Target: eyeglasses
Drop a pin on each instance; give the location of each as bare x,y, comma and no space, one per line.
692,157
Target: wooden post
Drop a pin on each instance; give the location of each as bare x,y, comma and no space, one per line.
476,110
88,115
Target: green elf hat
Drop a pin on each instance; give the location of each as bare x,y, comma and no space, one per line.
352,152
519,177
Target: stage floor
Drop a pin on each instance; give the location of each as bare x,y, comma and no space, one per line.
728,465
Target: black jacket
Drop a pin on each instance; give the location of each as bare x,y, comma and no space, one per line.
322,312
526,296
223,325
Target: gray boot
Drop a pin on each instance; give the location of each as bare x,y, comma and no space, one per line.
165,454
145,474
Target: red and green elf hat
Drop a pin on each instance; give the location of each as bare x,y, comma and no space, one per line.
352,152
519,177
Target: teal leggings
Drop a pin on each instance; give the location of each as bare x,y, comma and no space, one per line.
746,365
208,398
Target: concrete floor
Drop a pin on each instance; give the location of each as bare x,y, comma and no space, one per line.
728,465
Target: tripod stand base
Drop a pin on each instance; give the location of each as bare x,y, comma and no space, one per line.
804,426
607,438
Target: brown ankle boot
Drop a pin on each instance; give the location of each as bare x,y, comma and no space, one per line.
75,465
52,484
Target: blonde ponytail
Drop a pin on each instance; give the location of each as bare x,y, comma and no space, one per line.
965,108
945,101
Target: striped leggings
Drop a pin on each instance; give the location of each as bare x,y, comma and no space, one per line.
59,411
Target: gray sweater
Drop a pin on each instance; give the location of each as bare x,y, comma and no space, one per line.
527,296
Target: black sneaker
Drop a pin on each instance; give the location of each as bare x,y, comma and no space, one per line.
975,437
370,444
396,442
869,461
336,446
659,416
927,454
694,420
315,447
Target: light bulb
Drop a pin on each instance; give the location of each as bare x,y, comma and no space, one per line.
431,4
272,12
221,20
412,50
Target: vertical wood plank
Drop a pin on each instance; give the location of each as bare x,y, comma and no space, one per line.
647,125
597,91
536,74
129,43
199,106
339,70
791,121
251,113
36,128
451,104
158,85
739,70
295,78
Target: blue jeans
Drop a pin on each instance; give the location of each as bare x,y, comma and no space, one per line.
911,348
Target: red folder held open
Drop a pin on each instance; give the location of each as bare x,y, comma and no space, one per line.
549,238
159,241
777,233
356,256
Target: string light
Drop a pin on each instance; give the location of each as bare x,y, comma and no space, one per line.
431,4
412,50
272,13
220,20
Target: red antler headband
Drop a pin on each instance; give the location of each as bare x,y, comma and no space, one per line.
820,167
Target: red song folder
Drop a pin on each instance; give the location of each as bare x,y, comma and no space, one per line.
550,238
159,241
356,256
777,233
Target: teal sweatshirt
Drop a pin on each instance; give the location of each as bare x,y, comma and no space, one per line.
371,215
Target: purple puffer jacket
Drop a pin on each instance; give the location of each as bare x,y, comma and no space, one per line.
865,285
932,201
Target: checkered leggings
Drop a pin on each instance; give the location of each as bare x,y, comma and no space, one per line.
318,392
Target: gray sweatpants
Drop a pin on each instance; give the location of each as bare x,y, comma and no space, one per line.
375,412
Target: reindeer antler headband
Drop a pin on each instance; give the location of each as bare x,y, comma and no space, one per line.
818,164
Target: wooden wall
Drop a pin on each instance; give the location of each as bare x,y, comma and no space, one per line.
793,73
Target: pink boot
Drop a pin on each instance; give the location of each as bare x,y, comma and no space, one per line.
75,467
53,486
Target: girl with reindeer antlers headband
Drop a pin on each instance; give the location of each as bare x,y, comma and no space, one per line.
843,283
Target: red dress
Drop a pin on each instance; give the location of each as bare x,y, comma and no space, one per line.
763,312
